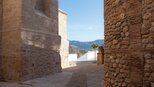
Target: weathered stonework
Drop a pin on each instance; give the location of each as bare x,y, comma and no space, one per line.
30,40
129,43
64,48
147,33
0,37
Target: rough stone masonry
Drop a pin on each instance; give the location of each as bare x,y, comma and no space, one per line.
29,40
129,43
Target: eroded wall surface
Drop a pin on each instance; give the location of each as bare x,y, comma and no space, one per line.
0,37
129,43
30,40
147,33
40,40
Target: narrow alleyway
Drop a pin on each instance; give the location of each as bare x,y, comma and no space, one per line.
83,75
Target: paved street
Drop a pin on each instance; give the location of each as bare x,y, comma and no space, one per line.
83,75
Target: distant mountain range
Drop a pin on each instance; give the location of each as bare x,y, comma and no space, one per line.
85,45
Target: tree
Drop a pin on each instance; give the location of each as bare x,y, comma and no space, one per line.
95,46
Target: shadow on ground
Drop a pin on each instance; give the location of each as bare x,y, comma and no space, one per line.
82,75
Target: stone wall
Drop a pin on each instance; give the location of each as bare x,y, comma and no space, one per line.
0,37
128,43
40,38
64,48
30,40
147,33
11,40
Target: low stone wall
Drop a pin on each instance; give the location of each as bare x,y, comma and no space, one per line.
100,55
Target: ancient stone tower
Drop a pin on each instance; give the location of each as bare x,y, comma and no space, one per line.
129,43
29,40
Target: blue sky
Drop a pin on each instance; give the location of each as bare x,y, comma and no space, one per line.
85,19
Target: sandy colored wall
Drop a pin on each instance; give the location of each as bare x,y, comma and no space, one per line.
11,41
129,43
147,33
64,48
123,49
30,40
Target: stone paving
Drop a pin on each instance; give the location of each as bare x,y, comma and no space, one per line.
83,75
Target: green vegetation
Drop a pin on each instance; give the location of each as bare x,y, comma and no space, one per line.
94,46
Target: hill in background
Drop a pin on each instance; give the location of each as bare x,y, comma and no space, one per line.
78,51
85,45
